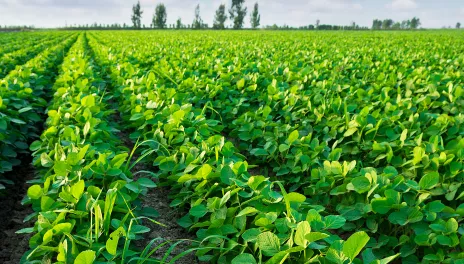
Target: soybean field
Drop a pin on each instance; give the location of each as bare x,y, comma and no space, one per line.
232,147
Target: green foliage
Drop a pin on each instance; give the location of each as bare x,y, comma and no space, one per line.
368,145
274,156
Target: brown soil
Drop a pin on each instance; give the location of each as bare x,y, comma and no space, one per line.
12,214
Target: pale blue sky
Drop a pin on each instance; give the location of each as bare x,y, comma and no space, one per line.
52,13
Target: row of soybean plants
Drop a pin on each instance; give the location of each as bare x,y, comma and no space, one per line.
28,51
238,217
18,41
82,199
23,98
372,132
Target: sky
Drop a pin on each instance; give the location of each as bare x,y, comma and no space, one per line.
56,13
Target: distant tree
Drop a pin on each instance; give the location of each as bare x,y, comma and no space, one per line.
220,17
255,17
396,26
137,15
387,24
237,13
377,24
353,25
160,16
317,23
179,23
458,25
404,24
197,22
415,23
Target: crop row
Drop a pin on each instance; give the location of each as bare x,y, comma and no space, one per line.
23,94
30,49
15,44
371,133
84,198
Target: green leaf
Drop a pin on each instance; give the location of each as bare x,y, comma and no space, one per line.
354,244
429,180
45,160
259,152
255,181
78,189
85,257
241,83
293,137
251,234
268,243
146,182
247,211
334,221
60,168
204,171
452,225
381,205
35,145
244,258
88,101
34,192
315,236
112,242
361,184
350,131
278,258
295,197
303,228
198,211
283,147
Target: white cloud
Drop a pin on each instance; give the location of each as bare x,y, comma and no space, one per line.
402,5
333,5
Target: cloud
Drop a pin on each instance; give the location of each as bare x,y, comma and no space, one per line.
327,6
402,5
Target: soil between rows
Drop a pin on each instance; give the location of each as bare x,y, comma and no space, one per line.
12,214
157,198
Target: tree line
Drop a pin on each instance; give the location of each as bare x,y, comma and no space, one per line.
237,15
389,24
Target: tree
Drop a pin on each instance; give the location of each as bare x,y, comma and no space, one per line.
396,26
387,24
220,17
415,23
255,17
458,25
179,23
404,24
136,15
160,16
197,22
353,25
377,24
317,23
237,13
